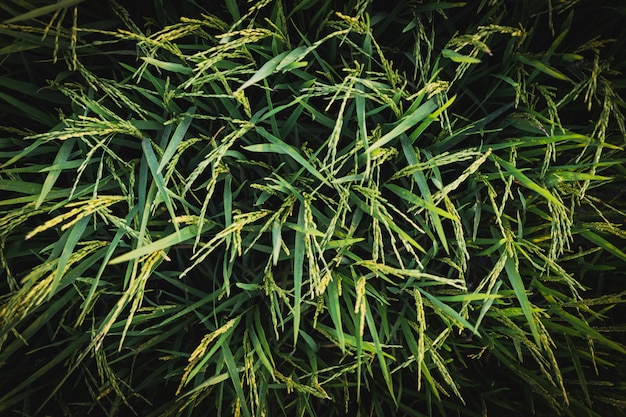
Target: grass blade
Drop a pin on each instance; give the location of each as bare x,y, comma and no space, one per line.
520,293
407,122
62,4
164,192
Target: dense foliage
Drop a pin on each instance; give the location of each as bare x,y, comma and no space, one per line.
312,208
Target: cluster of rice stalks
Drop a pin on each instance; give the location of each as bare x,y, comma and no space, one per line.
315,208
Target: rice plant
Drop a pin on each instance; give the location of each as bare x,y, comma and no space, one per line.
316,208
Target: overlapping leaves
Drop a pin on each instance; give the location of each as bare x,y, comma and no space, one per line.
279,209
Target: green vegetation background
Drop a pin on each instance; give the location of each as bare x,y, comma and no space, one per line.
312,208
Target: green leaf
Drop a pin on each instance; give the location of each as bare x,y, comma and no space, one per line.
73,236
417,201
298,271
294,55
520,293
575,355
276,241
525,181
177,138
265,71
449,312
28,110
603,243
62,4
585,329
163,244
460,58
407,122
422,184
546,69
280,147
371,324
233,373
168,66
61,157
334,309
164,192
